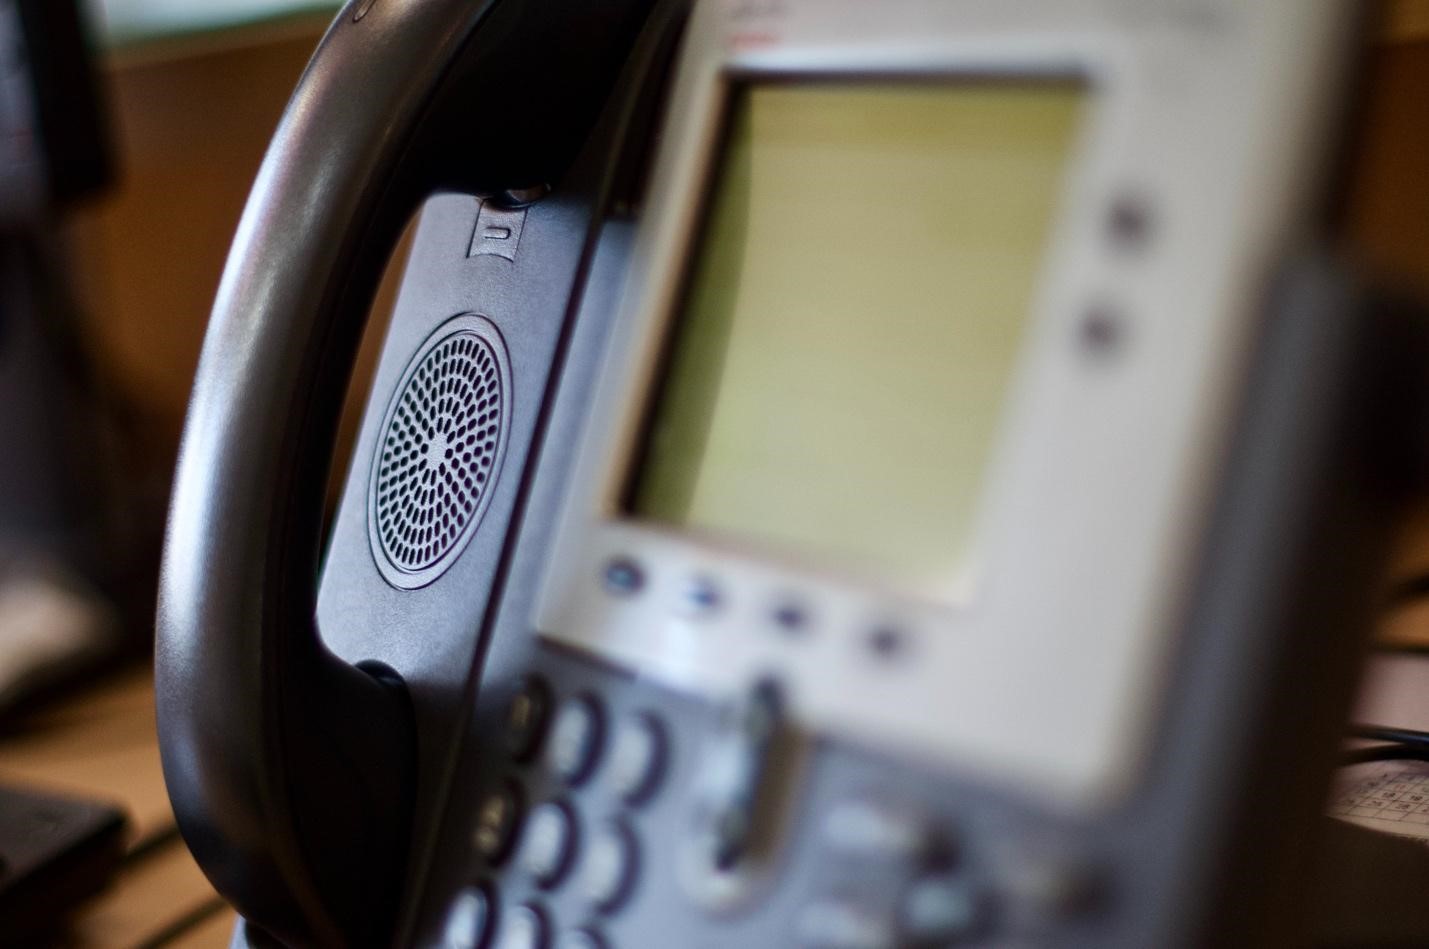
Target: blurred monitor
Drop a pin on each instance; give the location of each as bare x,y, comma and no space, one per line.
53,144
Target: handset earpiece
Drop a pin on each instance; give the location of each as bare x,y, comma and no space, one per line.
291,771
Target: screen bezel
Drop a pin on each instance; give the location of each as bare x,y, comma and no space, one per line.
1048,676
958,588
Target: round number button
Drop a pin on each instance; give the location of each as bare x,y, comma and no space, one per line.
609,866
575,740
526,719
467,920
547,843
637,758
524,928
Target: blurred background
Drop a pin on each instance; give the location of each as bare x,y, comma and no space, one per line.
116,213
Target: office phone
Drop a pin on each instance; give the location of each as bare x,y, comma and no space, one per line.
839,475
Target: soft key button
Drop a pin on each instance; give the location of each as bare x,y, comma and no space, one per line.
548,843
575,739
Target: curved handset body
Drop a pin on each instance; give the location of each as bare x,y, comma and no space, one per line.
808,486
293,772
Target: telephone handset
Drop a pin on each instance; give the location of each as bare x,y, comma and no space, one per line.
807,494
293,770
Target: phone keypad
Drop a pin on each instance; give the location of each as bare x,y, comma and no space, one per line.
593,828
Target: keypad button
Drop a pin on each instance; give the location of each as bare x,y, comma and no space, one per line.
467,920
496,819
526,719
547,843
575,739
1054,885
942,910
608,867
581,939
637,757
841,924
876,830
524,928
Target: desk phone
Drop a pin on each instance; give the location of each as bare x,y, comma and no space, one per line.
840,475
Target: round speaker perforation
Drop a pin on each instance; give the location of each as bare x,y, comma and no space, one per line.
438,452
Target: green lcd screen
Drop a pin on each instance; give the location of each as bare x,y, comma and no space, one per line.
836,378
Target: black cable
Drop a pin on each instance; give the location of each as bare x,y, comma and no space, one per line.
1395,744
1399,736
1383,753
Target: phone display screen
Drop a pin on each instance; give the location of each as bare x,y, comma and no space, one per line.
837,374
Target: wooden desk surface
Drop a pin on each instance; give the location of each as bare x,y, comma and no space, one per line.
101,744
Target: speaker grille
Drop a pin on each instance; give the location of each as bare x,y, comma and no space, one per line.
439,452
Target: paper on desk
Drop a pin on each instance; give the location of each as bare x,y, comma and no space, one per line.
1390,796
